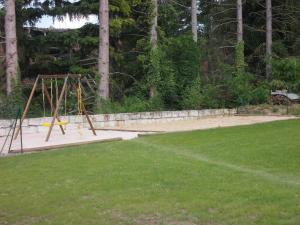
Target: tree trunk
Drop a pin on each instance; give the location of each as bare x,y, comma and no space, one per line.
103,58
11,54
239,48
153,38
2,69
194,20
269,39
239,21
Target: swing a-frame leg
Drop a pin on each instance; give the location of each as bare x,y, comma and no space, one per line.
55,114
27,106
90,122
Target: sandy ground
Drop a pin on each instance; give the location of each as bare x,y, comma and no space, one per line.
73,136
202,124
36,141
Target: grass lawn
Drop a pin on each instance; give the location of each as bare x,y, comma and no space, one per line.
240,175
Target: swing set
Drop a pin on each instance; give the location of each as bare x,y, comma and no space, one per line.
68,85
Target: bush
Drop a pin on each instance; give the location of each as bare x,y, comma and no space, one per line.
260,94
130,104
241,88
278,85
107,106
192,98
11,104
210,96
288,70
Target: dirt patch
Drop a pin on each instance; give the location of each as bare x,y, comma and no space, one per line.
149,219
32,220
160,220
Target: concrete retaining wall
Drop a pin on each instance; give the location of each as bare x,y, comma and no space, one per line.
32,125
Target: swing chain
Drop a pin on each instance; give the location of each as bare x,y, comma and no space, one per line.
79,99
43,94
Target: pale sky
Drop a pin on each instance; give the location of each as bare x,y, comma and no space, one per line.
48,21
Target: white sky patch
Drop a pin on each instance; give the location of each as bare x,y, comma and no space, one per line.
65,23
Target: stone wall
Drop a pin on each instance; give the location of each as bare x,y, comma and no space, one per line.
32,125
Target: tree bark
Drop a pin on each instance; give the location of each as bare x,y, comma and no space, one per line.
11,54
2,69
239,21
153,38
269,39
194,20
239,48
103,58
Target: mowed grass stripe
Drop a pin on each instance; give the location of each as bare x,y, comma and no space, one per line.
196,156
270,147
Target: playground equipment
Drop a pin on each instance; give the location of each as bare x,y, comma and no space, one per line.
69,81
50,99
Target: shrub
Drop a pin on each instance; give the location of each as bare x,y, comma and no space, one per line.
134,104
107,106
241,88
260,94
278,85
11,104
288,70
210,96
130,104
192,98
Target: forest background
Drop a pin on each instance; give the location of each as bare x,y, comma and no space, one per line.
157,60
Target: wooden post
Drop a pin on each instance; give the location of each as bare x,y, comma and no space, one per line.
21,134
57,108
27,105
90,122
15,125
53,109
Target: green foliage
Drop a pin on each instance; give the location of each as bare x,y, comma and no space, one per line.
81,70
154,68
184,69
186,57
130,104
234,89
278,85
9,105
116,25
134,104
242,89
210,96
288,70
192,97
175,67
260,94
279,49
